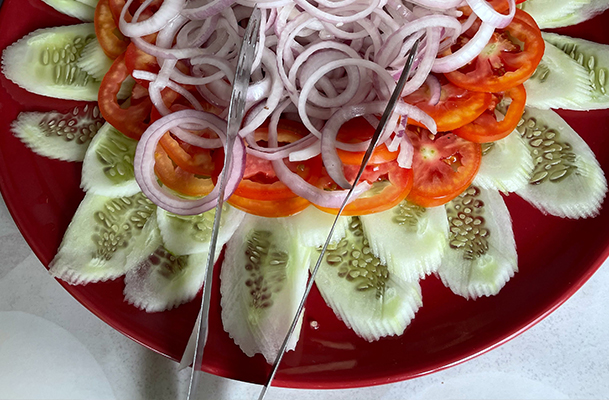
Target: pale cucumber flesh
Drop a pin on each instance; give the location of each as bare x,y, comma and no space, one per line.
506,164
100,237
594,58
108,164
45,62
409,239
73,8
481,256
567,180
558,82
159,280
559,13
62,136
360,289
262,280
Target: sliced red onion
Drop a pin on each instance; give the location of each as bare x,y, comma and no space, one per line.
435,89
487,13
466,53
210,9
169,10
406,152
144,163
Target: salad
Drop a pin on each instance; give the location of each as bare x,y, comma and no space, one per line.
428,203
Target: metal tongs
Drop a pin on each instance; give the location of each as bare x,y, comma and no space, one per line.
395,96
236,110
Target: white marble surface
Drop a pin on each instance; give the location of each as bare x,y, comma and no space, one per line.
53,348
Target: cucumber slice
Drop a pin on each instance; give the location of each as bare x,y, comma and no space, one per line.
73,8
559,13
361,290
108,165
312,227
189,234
263,278
94,61
594,57
567,180
558,82
99,238
160,280
409,239
506,164
57,135
482,256
45,62
90,3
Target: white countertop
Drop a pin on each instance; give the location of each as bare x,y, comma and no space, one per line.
51,347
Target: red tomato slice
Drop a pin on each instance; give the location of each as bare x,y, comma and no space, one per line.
133,120
109,36
259,180
179,180
444,166
391,185
269,208
358,130
509,59
486,128
190,158
457,106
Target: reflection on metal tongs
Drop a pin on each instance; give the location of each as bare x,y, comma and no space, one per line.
236,110
373,142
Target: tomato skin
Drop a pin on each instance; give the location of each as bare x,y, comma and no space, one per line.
131,121
443,166
400,181
269,208
499,66
177,179
110,39
457,106
358,130
486,128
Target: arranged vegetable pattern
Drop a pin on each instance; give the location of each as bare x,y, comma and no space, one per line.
474,121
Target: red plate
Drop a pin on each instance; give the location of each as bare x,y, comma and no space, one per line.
556,257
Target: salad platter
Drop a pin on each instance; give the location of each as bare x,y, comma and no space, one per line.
555,257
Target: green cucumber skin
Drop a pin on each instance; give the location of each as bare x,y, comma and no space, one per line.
44,62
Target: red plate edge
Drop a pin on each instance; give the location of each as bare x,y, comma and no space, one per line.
51,18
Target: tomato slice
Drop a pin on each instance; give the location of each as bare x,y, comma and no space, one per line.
190,158
390,185
140,60
359,130
259,179
177,179
269,208
444,166
509,59
486,128
132,120
109,36
457,106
